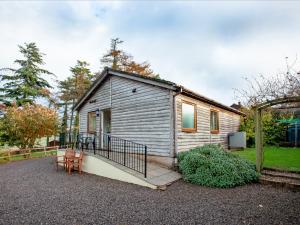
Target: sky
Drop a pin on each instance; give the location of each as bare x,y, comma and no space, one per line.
209,47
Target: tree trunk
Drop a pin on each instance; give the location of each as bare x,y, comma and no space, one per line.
76,127
71,120
258,139
64,125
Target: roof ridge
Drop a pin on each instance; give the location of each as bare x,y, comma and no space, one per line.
177,87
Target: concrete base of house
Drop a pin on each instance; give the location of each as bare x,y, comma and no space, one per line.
163,161
158,177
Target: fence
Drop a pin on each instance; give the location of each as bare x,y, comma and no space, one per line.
20,154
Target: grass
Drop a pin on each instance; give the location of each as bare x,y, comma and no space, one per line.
275,157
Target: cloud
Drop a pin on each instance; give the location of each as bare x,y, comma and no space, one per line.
206,46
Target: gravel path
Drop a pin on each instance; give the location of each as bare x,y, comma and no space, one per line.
32,192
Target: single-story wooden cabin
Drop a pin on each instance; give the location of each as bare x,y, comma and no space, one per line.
164,116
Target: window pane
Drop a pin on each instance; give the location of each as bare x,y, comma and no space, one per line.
211,120
214,121
92,122
188,116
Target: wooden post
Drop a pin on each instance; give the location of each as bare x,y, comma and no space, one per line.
8,155
44,150
258,139
296,134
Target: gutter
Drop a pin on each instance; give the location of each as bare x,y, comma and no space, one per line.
178,92
210,101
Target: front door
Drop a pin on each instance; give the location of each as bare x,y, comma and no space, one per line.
105,128
106,122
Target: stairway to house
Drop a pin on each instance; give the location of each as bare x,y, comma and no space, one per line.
284,179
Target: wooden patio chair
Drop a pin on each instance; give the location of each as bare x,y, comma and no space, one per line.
63,159
76,164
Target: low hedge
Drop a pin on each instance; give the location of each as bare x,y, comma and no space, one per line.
211,166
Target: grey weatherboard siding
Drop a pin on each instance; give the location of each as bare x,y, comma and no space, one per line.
146,116
143,117
228,122
102,97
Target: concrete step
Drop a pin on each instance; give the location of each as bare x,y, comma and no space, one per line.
163,178
278,181
282,174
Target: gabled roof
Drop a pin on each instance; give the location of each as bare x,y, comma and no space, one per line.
149,80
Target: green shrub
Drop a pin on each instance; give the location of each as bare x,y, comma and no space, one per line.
211,166
274,132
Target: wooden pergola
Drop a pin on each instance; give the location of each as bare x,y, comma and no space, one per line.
258,125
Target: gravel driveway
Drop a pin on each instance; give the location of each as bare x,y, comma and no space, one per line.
32,192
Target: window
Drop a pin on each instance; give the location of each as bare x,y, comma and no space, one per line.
214,122
92,122
189,116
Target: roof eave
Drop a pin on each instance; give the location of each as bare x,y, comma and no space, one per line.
98,81
131,76
210,101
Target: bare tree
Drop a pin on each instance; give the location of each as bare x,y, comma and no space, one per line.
262,88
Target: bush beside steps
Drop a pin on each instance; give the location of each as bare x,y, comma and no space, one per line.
210,165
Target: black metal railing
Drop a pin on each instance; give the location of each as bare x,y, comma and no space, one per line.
127,153
67,140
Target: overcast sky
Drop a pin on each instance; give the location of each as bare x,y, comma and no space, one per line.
206,46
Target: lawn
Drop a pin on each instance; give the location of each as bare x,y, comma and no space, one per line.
275,157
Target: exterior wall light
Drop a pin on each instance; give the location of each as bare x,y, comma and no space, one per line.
97,112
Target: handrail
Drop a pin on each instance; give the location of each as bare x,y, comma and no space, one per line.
125,152
97,134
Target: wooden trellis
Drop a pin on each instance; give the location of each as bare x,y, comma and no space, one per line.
258,125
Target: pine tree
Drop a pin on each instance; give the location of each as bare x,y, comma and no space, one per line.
27,82
82,78
119,60
71,90
113,57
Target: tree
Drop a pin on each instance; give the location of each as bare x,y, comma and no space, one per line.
119,60
82,78
263,89
22,126
273,130
71,90
25,83
114,56
140,68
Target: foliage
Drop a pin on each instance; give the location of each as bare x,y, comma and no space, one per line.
283,158
273,131
120,60
21,126
211,166
26,83
82,78
72,89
